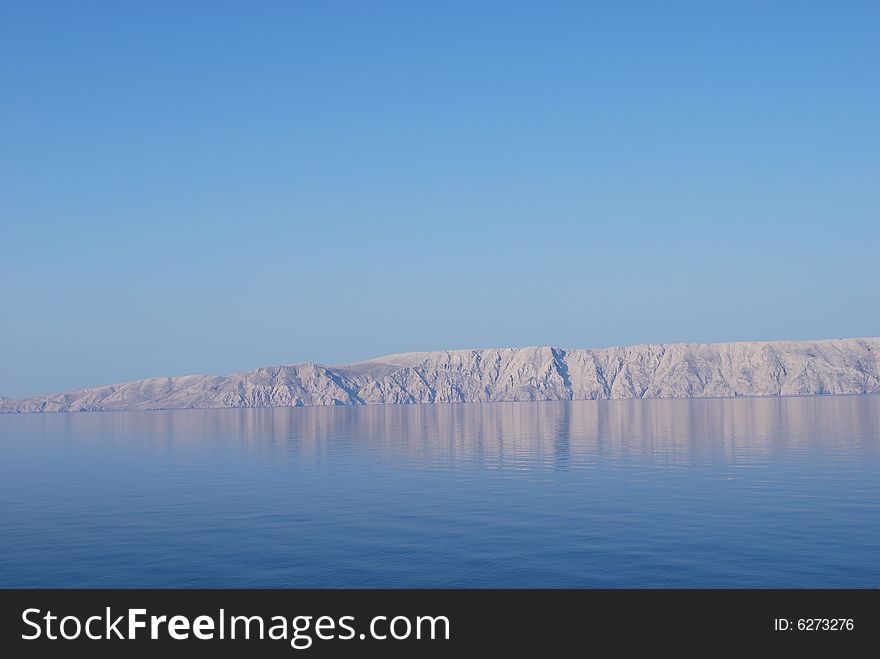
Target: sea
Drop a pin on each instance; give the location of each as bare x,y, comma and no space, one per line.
706,493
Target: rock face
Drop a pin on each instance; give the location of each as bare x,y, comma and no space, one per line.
687,370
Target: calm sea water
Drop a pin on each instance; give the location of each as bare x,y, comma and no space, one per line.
744,492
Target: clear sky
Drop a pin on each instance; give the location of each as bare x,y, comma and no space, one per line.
207,187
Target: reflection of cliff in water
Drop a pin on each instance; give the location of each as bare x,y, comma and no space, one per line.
506,434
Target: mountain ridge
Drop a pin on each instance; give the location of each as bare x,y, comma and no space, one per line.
652,370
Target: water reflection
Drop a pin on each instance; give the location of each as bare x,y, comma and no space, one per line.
743,492
560,434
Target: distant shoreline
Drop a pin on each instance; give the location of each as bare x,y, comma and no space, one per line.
648,371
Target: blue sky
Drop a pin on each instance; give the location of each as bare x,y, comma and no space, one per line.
207,187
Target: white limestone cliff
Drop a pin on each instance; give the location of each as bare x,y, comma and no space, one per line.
685,370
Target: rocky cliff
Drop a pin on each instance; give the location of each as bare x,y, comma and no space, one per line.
780,368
